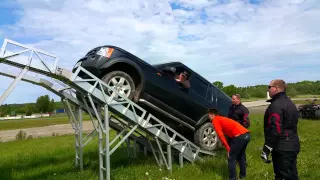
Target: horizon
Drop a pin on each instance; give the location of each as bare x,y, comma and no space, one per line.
244,43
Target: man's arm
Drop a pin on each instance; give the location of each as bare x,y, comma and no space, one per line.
220,134
274,126
186,84
245,117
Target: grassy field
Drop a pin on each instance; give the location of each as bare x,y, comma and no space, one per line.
53,158
39,122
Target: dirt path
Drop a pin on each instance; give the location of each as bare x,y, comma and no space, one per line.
261,109
61,129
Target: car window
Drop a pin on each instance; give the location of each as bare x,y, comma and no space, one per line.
210,94
199,86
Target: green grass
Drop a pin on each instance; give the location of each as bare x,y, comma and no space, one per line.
307,96
53,158
30,123
300,102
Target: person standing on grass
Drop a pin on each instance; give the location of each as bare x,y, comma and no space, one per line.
280,131
238,112
240,138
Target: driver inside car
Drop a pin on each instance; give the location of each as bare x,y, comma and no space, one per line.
183,79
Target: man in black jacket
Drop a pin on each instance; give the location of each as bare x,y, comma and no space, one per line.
280,130
238,111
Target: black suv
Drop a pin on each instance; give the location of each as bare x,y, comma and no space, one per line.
171,91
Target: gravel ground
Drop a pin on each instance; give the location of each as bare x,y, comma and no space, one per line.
261,109
61,129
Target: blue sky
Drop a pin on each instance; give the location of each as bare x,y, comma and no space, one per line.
244,42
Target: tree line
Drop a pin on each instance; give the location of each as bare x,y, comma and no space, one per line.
260,91
43,104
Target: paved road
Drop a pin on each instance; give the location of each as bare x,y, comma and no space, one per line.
61,129
264,103
255,103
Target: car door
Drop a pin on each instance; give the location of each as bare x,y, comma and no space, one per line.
179,94
164,90
159,87
200,98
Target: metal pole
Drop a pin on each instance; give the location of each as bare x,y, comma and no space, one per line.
80,138
181,160
169,156
13,85
100,152
76,133
106,123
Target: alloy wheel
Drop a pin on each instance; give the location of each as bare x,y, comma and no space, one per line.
121,85
209,137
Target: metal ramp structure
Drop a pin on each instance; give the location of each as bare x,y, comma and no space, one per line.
129,120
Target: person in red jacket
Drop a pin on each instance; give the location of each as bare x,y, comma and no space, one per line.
239,136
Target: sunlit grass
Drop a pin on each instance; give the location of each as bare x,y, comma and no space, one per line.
53,158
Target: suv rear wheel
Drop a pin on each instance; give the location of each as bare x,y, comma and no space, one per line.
206,137
121,82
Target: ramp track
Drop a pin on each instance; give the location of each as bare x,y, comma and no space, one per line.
131,121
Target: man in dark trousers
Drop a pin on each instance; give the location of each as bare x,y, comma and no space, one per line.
280,129
240,136
238,111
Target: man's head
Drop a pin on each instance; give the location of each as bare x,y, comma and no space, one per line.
236,99
276,86
212,113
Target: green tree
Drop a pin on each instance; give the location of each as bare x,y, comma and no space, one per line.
292,92
52,105
29,109
218,84
229,90
43,104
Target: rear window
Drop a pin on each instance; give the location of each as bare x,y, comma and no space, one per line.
210,94
199,86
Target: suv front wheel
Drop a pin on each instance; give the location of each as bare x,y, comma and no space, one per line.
206,137
121,82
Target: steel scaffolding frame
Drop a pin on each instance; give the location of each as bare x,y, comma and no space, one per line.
127,118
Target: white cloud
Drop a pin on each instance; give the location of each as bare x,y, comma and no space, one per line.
239,43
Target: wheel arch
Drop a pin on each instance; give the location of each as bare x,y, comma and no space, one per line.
204,119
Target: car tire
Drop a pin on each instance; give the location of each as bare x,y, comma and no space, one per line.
127,88
206,137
